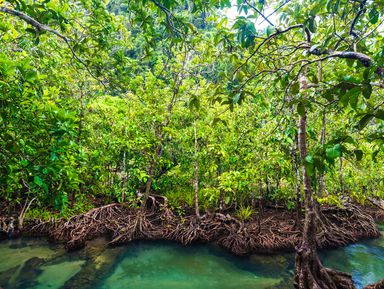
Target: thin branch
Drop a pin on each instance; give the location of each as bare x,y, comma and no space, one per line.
362,10
41,27
31,21
259,12
273,35
277,9
370,32
169,15
258,74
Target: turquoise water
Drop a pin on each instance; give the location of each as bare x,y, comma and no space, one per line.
33,263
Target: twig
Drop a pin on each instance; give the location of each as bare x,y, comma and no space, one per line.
362,10
259,12
42,27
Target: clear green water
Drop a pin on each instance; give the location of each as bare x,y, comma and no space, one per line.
33,263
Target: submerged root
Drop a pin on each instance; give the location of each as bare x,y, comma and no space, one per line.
310,273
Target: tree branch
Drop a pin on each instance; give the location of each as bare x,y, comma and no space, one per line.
31,21
273,35
41,27
259,12
362,10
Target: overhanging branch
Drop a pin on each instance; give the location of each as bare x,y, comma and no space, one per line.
273,35
41,27
361,11
31,21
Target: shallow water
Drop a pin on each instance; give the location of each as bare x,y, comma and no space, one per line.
33,263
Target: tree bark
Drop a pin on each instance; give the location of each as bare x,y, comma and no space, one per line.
322,186
298,186
341,176
196,172
309,271
123,177
179,77
150,174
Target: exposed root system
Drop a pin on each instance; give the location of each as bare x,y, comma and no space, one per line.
274,232
311,274
338,227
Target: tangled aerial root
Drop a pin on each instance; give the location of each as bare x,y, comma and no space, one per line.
310,273
274,232
339,227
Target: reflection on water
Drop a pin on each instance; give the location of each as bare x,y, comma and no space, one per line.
172,266
33,263
365,260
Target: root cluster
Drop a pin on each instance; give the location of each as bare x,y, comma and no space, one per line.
276,231
339,227
311,274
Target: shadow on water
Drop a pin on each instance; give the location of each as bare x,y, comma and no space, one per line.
35,264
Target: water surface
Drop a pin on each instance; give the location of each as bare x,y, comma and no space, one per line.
35,264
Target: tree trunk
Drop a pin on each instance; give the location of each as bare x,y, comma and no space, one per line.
298,186
341,176
150,174
179,77
196,172
124,178
81,116
309,271
322,186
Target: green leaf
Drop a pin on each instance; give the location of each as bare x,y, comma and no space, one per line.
344,99
194,103
351,97
380,114
312,26
309,164
348,139
329,5
336,6
358,154
373,15
353,100
374,155
333,152
295,88
364,121
270,29
329,94
217,120
367,90
38,181
236,98
366,74
309,159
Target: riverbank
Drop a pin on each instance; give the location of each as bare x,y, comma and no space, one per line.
275,230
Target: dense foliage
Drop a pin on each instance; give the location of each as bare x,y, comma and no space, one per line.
113,98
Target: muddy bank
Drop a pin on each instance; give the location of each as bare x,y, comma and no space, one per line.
274,231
